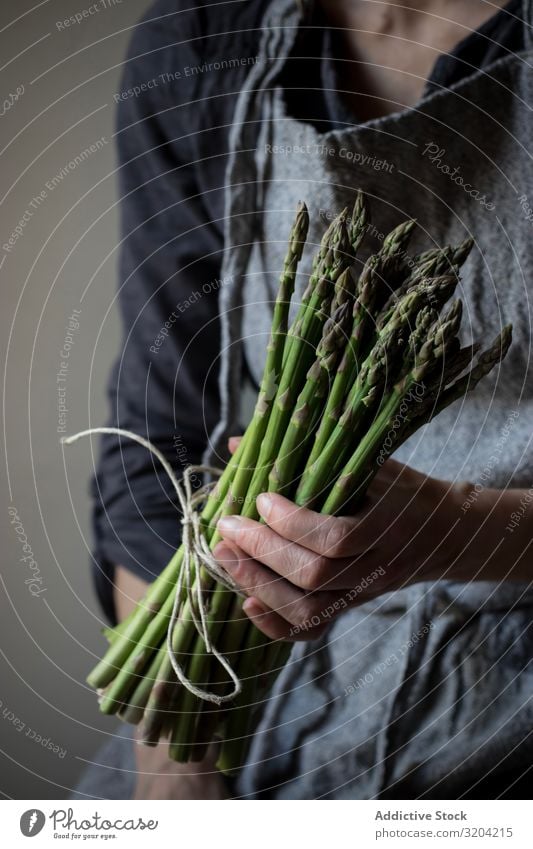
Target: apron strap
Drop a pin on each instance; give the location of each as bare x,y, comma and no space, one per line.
243,195
243,207
527,13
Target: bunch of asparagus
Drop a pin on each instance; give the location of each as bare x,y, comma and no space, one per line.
368,359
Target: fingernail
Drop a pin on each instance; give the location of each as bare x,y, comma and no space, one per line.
253,607
225,556
264,504
229,523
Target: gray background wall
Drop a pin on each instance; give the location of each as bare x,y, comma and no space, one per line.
64,260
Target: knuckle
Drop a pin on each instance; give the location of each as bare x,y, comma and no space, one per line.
314,574
337,538
320,572
304,614
242,574
280,519
308,613
255,542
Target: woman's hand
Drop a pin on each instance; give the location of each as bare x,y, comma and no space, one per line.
160,778
302,568
157,776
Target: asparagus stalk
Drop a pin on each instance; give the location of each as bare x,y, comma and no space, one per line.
358,222
396,342
133,711
433,263
126,641
336,240
443,397
300,357
347,369
436,263
167,689
310,399
380,271
378,369
358,473
336,259
462,252
239,725
428,355
272,370
309,402
354,478
124,661
457,255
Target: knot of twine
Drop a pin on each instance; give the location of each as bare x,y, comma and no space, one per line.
196,553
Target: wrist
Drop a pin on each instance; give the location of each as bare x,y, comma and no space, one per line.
459,521
467,522
479,533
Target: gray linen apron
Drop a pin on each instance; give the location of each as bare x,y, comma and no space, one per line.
426,691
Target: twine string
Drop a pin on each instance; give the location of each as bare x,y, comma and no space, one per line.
189,594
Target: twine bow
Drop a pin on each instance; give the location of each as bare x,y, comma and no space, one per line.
196,552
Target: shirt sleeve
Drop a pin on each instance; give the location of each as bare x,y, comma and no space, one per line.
164,383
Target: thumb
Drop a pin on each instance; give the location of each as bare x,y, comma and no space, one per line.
233,443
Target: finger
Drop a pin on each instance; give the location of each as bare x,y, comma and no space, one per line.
274,626
275,593
233,443
266,620
392,468
393,473
332,536
302,567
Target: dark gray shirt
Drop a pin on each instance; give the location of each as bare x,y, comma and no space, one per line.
183,73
